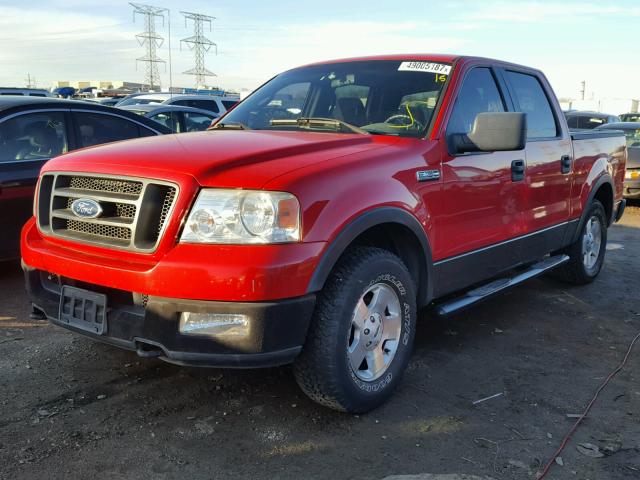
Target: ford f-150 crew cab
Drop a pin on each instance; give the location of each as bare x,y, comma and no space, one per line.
313,220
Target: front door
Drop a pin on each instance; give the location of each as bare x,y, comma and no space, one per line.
27,141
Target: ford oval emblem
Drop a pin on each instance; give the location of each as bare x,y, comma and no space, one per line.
86,208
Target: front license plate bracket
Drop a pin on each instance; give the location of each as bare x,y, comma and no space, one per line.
83,309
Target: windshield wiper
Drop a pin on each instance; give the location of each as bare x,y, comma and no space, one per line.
229,126
310,122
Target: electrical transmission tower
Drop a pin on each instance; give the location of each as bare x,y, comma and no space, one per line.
151,40
200,45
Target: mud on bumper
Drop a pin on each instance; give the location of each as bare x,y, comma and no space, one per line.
149,325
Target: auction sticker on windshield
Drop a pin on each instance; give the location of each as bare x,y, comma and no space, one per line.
426,67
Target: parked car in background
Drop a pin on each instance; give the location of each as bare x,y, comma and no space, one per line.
28,92
64,92
583,120
630,117
109,101
632,176
310,223
215,104
179,119
33,130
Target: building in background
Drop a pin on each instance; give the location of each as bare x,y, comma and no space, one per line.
100,84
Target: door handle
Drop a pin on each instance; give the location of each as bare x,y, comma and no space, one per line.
565,164
517,170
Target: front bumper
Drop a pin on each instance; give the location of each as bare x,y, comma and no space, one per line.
631,189
149,325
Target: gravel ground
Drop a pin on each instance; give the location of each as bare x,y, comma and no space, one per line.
71,408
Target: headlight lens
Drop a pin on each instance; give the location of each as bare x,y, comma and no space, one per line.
243,216
633,174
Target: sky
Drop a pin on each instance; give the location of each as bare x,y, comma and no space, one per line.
569,40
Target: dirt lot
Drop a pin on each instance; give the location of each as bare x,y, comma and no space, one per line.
71,408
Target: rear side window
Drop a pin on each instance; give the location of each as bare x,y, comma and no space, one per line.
478,94
531,99
210,105
572,121
228,104
33,136
96,128
168,119
196,122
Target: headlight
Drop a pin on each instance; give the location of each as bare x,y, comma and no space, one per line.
243,216
633,174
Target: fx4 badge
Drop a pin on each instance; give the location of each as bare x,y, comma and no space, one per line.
427,175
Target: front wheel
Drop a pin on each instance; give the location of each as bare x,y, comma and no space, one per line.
586,255
361,336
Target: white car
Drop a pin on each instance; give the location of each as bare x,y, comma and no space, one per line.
215,104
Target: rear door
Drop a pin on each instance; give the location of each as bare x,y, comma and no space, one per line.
548,163
27,141
482,200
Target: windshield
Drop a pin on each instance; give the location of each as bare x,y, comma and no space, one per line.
139,101
379,96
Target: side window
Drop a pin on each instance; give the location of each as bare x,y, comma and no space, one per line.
228,104
210,105
479,93
168,119
97,128
33,136
572,121
533,101
196,122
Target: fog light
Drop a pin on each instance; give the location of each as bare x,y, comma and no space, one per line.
227,324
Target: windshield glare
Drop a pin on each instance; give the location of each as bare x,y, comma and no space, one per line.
379,96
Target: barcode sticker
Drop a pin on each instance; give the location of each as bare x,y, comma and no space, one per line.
426,67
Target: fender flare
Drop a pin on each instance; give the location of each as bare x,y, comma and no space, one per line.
359,225
605,178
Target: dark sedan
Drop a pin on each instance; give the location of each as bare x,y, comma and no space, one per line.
584,120
33,130
632,176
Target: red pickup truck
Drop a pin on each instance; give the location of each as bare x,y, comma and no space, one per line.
314,219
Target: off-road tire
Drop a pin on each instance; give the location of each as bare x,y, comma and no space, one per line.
322,370
575,271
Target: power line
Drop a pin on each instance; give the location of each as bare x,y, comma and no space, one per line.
200,46
151,40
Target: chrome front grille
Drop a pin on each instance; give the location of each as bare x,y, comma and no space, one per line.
134,211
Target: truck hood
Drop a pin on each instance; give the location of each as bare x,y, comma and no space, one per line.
238,158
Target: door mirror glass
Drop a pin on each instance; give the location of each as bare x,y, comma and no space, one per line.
493,132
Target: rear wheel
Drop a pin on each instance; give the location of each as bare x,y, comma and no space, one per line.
586,255
361,336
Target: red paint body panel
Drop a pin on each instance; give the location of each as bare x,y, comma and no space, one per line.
336,178
238,273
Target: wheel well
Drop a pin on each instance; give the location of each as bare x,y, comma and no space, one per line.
604,195
401,241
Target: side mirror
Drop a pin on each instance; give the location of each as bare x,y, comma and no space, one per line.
492,132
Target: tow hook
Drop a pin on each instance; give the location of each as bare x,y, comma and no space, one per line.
146,350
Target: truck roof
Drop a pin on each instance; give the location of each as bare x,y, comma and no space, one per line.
425,57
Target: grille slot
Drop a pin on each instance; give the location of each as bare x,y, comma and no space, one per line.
134,211
101,230
106,185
